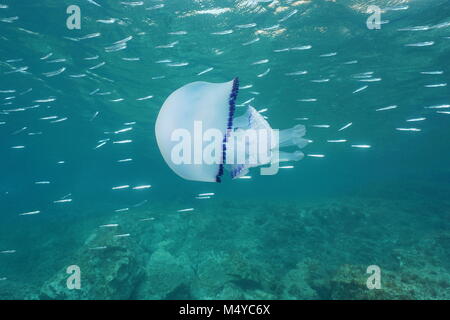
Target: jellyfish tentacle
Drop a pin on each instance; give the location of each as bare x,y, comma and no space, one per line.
293,137
288,156
245,129
252,120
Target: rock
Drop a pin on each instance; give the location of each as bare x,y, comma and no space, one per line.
296,284
166,277
11,290
109,273
349,283
230,276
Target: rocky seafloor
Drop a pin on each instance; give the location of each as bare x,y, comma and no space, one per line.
260,250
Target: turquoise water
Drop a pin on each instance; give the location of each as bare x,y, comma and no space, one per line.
309,232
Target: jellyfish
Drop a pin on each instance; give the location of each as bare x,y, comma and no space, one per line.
200,137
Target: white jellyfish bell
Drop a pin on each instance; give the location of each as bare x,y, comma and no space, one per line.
198,134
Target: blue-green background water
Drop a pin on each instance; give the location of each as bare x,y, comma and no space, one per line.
301,234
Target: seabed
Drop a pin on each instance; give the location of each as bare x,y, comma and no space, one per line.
256,249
